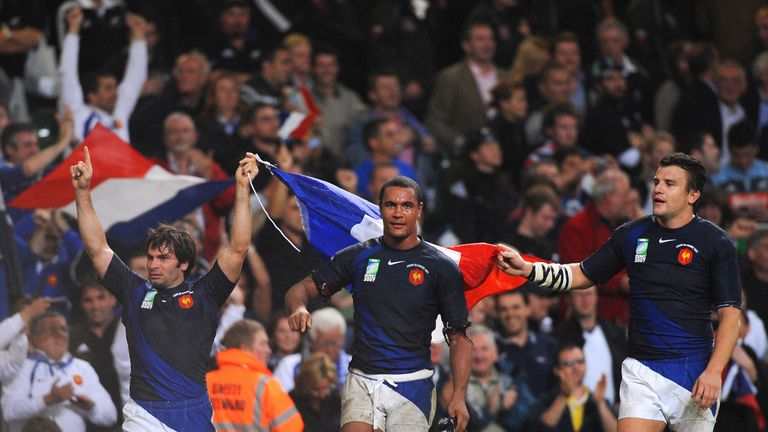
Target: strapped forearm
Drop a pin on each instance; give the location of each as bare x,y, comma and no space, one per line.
558,277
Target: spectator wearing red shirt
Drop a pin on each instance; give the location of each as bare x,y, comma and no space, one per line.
587,230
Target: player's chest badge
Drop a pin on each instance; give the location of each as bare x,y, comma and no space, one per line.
416,277
685,256
186,301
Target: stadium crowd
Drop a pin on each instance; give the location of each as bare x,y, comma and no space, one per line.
537,124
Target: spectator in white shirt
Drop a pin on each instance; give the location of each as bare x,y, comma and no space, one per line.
55,384
13,340
104,100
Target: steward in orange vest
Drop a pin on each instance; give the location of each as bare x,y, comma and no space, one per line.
244,395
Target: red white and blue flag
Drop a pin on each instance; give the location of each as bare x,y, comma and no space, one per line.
130,193
334,219
739,388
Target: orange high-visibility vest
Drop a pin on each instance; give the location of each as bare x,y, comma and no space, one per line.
245,397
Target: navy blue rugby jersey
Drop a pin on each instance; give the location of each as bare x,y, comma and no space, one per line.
676,278
170,331
397,297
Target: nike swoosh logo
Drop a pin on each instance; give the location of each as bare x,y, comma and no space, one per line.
666,241
390,262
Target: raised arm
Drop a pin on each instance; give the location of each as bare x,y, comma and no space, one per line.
136,68
71,92
91,231
232,257
559,277
37,162
20,40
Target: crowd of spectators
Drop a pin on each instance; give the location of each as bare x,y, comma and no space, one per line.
538,124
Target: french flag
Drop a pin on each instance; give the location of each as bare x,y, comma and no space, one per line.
738,387
334,219
130,193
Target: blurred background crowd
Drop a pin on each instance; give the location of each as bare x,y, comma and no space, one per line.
534,123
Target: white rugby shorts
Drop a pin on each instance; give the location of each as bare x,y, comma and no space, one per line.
648,395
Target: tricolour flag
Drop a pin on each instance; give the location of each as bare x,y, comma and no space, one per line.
739,388
130,193
334,219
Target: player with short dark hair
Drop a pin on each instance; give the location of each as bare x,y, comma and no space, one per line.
170,322
400,284
681,267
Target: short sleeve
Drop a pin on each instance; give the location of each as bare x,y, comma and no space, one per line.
607,260
217,284
450,296
336,273
725,276
121,281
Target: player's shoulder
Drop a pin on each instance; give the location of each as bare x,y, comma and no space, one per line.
374,243
440,254
356,248
705,229
640,224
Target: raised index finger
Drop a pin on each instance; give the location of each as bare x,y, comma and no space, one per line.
87,156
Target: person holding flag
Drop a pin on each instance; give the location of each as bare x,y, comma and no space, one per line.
680,268
400,284
170,322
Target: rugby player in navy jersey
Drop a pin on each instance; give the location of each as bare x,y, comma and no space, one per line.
170,322
680,267
399,284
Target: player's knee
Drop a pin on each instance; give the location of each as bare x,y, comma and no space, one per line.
358,427
632,424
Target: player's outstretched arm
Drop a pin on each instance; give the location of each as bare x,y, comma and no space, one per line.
232,257
707,387
91,231
558,277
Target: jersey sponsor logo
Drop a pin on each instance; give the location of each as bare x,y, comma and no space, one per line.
371,270
685,256
390,262
186,301
149,299
641,250
661,240
52,280
416,277
78,379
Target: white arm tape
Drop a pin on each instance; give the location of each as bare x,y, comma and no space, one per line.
557,277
